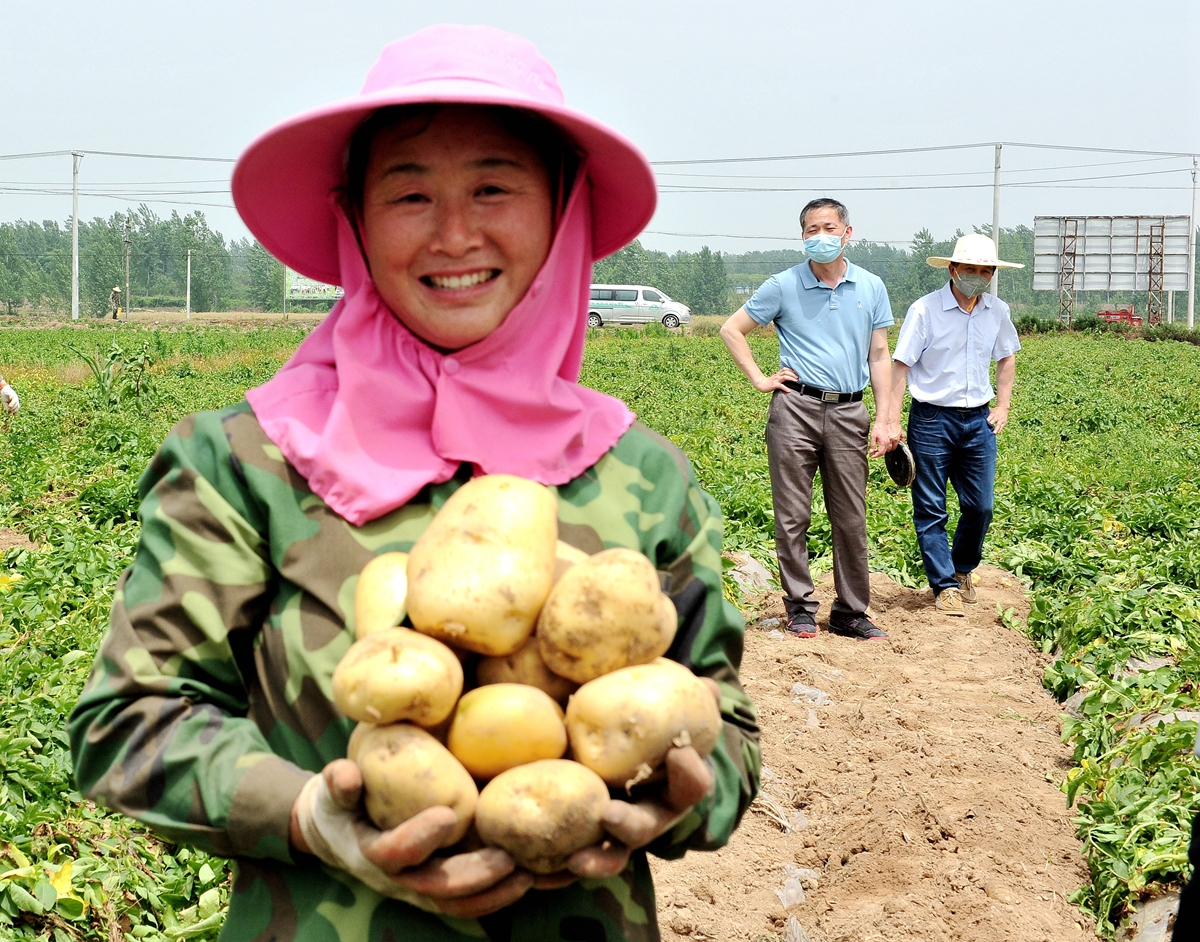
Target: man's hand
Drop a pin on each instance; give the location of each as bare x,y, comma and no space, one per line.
636,824
327,821
998,418
776,381
883,438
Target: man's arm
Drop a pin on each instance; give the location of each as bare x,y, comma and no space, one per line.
1006,373
899,380
734,332
879,359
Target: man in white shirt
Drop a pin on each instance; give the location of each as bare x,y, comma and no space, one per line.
947,344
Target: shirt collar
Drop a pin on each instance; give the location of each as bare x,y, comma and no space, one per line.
950,303
810,280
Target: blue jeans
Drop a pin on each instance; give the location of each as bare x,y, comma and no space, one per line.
955,445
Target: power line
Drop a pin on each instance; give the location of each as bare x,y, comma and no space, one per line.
893,176
860,153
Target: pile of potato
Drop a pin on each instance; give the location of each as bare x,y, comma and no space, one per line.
553,625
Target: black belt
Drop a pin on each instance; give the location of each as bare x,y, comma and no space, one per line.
931,405
823,394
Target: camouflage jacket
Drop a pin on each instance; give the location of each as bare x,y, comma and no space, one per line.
208,706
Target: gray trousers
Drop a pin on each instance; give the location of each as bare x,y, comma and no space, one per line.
805,434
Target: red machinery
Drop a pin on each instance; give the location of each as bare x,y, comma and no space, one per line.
1120,315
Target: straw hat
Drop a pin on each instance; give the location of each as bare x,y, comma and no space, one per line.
283,182
973,249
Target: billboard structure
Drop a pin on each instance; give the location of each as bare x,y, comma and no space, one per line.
1111,253
298,287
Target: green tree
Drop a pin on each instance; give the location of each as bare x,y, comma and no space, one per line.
265,278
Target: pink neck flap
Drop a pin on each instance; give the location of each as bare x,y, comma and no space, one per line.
369,414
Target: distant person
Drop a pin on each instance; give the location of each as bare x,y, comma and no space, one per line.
114,302
832,319
946,346
8,398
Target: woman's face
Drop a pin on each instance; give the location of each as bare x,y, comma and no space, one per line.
456,222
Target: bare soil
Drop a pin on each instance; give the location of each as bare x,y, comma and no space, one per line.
12,538
922,795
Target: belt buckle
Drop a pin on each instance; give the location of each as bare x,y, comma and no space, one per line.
830,396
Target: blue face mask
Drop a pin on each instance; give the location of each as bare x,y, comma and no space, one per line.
823,249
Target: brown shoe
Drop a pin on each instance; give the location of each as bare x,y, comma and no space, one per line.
966,585
949,602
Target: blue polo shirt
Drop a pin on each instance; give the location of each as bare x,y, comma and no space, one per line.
824,333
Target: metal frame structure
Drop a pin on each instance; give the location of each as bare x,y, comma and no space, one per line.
1154,288
1066,270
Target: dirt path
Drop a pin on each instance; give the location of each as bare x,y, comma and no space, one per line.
917,796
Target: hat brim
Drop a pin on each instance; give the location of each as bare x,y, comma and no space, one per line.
900,465
282,183
938,261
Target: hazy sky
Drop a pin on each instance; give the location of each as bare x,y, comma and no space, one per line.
685,80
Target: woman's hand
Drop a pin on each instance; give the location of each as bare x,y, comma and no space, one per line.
636,824
327,821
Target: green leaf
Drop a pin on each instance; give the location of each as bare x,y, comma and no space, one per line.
69,907
24,900
210,901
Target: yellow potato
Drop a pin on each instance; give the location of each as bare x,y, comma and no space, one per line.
543,812
356,739
501,726
525,666
405,771
480,573
398,674
622,724
604,614
381,597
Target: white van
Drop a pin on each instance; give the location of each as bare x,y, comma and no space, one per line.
634,304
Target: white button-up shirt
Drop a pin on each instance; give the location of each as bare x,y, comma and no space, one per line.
950,351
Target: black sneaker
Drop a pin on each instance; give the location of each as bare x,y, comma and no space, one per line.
856,626
801,625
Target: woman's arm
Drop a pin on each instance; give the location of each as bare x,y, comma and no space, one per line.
161,731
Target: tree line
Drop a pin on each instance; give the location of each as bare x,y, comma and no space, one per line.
35,265
35,269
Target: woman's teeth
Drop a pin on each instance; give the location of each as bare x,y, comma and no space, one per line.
462,281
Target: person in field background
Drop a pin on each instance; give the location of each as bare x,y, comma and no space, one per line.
946,347
832,319
9,400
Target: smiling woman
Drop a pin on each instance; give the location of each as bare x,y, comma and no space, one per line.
454,213
461,205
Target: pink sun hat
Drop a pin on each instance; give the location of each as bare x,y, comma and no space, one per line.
282,183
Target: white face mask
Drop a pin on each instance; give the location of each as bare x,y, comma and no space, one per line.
972,285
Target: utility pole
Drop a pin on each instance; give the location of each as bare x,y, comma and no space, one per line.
1191,321
75,158
187,314
996,220
128,298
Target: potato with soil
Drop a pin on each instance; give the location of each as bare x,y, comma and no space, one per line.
621,725
543,812
605,613
525,666
398,674
501,726
405,770
481,571
381,596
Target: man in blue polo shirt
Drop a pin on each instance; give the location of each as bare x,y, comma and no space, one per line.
832,319
945,351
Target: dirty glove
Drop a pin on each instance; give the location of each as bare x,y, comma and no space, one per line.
327,821
333,834
8,396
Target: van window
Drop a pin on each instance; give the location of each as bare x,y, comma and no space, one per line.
625,294
602,294
651,296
